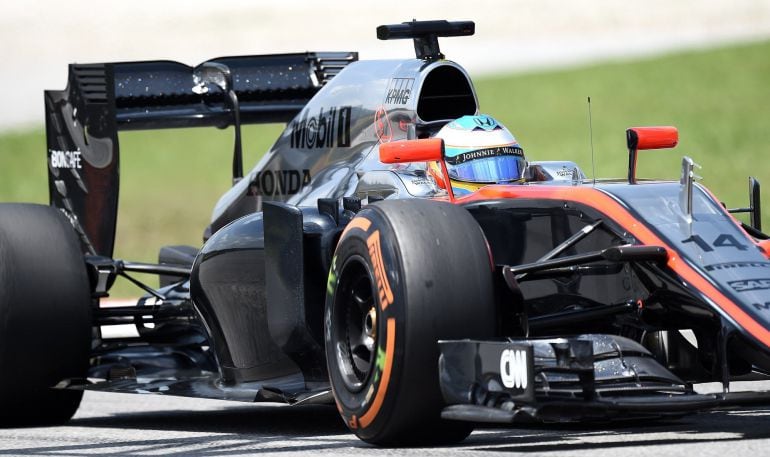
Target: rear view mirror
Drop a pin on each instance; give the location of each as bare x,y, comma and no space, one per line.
652,137
648,138
427,150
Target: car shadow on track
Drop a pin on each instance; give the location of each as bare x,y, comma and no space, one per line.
256,429
708,427
241,430
280,420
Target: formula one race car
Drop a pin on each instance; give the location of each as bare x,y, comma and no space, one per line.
343,269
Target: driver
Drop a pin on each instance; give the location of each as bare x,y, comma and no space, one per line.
479,151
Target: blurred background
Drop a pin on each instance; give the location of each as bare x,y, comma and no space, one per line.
703,66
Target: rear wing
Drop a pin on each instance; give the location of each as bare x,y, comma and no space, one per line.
82,121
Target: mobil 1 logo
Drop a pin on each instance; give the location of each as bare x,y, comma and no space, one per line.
328,128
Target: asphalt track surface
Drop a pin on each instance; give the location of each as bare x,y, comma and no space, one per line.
123,425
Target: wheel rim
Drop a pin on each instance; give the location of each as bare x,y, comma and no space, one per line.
354,334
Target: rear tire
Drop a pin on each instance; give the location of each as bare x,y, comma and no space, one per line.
45,315
406,273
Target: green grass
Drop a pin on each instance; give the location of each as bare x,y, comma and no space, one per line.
719,100
170,181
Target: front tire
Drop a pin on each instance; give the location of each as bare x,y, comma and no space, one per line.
406,273
45,315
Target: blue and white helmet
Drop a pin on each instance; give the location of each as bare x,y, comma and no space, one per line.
481,150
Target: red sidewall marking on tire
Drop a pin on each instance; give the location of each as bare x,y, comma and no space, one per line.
358,222
365,420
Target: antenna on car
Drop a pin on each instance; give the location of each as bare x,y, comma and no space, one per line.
591,140
425,34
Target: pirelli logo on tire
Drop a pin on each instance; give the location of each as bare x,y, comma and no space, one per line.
380,274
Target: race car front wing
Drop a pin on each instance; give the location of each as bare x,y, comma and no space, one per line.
581,378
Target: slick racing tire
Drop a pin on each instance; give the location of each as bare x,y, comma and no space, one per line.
45,315
405,274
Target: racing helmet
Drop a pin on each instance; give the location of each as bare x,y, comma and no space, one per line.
479,151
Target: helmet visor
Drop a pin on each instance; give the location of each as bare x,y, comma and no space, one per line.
489,165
